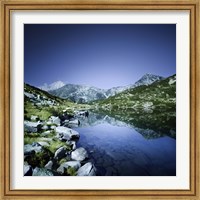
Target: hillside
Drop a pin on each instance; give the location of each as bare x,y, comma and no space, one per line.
43,105
152,109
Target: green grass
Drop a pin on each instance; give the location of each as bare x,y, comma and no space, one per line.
71,171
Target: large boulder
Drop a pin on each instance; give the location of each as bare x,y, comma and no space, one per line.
60,153
32,127
66,134
42,172
87,170
79,154
66,165
54,120
32,148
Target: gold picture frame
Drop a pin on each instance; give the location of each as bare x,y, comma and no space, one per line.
7,6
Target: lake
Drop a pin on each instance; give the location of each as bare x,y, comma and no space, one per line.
118,148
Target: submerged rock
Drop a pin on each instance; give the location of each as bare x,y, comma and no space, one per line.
75,121
42,172
87,170
79,154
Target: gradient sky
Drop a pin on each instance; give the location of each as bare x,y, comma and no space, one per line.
101,55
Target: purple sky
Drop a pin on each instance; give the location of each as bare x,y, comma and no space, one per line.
101,55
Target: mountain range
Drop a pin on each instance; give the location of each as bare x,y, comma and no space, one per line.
85,94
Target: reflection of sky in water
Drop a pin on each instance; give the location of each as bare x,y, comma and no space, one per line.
123,151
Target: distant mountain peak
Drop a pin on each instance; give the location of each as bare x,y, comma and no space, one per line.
148,79
53,86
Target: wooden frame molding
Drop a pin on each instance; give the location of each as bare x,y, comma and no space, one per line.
10,5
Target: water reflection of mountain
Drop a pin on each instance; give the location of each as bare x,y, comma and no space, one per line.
149,125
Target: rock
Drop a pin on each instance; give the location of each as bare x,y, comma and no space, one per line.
29,95
45,127
79,154
60,153
42,172
53,127
32,149
73,164
55,120
73,145
75,121
34,118
46,133
28,170
32,127
49,165
87,170
65,133
44,144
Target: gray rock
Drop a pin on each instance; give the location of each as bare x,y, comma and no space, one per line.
53,127
45,127
28,170
42,172
72,144
60,153
65,133
44,144
55,120
87,170
49,165
31,127
46,133
34,118
31,149
79,154
64,166
75,121
29,95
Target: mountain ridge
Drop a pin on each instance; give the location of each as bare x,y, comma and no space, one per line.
84,93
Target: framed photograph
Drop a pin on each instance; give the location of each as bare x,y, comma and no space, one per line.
99,99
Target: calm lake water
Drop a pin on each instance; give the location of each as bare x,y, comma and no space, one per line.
118,149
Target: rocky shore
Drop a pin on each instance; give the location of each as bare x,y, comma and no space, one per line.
50,147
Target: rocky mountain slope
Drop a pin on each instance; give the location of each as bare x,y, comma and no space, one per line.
148,107
85,94
53,86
